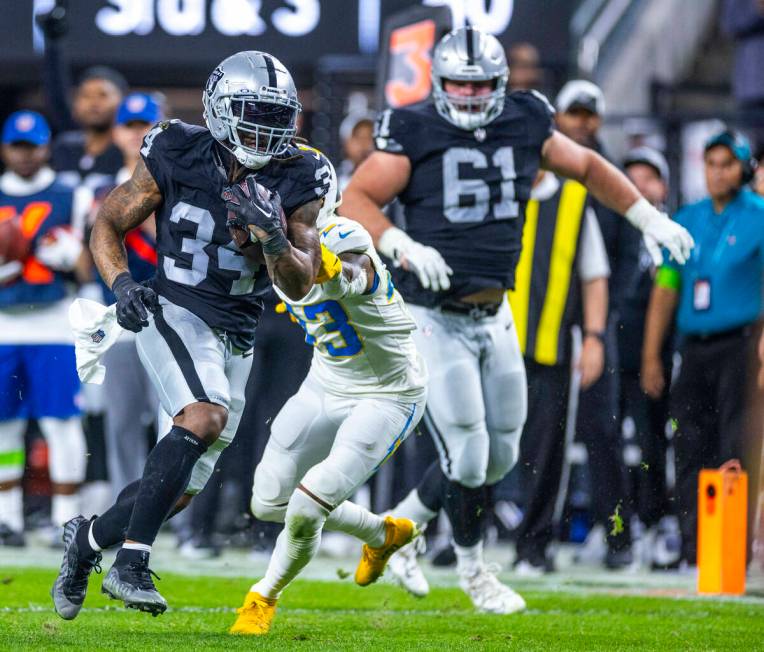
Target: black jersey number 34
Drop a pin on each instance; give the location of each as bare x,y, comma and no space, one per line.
456,188
196,247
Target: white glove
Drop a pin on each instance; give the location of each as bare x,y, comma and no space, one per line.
425,262
59,249
659,230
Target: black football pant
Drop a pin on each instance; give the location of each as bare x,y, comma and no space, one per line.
708,402
542,452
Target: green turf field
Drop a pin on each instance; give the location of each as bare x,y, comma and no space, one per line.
316,615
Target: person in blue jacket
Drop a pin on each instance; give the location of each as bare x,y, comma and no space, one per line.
717,300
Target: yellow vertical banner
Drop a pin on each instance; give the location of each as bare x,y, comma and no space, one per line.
562,259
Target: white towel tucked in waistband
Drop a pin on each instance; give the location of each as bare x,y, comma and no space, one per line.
95,330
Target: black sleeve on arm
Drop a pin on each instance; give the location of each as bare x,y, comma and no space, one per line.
57,83
396,131
158,148
304,179
540,114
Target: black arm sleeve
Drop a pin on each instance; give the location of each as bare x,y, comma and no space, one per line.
57,83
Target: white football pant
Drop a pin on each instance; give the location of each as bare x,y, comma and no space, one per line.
477,394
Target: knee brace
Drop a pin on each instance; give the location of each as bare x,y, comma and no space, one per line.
305,518
12,449
470,459
269,497
505,451
264,511
67,458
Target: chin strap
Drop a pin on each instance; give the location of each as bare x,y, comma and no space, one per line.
251,161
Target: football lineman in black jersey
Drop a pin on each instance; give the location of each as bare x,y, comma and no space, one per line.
195,321
462,165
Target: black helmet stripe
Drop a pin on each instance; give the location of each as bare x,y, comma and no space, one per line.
272,82
469,33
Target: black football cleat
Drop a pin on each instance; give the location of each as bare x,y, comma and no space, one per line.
71,585
131,583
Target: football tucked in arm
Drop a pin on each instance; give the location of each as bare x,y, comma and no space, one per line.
243,235
249,247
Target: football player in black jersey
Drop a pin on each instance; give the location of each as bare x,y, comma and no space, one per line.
462,165
195,320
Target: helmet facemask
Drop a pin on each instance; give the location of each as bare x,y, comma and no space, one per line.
259,125
470,111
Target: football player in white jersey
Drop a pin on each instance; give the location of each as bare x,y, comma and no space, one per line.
364,394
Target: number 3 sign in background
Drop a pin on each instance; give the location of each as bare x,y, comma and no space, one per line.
409,38
410,49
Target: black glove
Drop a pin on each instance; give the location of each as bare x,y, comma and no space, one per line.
54,23
249,203
134,301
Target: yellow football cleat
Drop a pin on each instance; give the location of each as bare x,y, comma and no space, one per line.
255,615
399,532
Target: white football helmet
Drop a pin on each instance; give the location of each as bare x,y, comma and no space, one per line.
250,107
467,54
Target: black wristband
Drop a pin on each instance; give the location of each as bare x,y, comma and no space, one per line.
600,335
120,280
276,244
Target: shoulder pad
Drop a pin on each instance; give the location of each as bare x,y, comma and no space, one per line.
534,100
172,128
539,112
341,236
308,149
311,166
387,137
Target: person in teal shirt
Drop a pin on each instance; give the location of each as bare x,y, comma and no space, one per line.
717,300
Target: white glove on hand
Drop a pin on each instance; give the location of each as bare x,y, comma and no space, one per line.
659,230
425,262
59,249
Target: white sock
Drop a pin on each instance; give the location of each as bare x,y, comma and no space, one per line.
143,547
358,522
412,507
12,509
64,508
292,553
91,539
469,560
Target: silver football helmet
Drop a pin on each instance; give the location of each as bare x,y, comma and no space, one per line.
467,54
250,107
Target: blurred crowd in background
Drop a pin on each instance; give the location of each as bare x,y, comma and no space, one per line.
617,430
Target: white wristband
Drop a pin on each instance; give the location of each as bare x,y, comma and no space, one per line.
358,284
340,287
641,213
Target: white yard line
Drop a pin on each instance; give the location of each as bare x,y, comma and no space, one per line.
573,579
